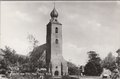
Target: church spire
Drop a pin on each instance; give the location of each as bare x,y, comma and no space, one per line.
54,13
54,4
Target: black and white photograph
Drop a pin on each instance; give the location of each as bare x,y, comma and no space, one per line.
59,39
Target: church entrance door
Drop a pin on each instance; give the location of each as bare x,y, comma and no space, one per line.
56,73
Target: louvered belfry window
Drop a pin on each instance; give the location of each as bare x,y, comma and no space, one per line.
56,30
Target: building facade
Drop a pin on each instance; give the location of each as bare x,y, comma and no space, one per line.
56,65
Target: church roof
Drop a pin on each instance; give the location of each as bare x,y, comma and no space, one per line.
38,52
54,13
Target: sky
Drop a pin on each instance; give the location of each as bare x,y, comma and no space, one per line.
86,25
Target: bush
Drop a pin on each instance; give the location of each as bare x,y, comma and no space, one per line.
74,78
48,77
66,77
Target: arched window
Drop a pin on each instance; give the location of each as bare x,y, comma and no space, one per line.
56,30
56,41
56,73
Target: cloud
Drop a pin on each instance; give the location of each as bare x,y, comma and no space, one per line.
86,26
23,16
94,23
19,45
74,54
43,10
78,55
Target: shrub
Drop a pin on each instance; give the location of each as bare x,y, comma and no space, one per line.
66,77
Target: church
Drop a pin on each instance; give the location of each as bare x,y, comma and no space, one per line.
52,50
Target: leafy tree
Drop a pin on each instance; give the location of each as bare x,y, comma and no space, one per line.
93,66
33,41
118,59
9,55
109,62
8,59
14,59
72,69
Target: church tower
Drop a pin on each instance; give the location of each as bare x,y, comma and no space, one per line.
56,65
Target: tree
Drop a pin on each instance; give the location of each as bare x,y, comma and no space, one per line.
10,55
72,68
33,41
109,62
93,66
118,59
12,58
8,59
